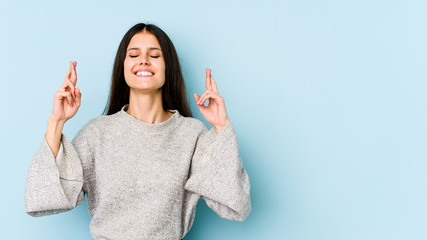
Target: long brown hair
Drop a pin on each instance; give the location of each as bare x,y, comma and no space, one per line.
173,91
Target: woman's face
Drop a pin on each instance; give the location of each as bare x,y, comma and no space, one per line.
144,64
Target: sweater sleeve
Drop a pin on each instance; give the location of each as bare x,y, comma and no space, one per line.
217,174
55,185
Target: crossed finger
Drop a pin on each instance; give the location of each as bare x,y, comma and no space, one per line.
69,84
67,75
70,78
210,82
214,87
74,73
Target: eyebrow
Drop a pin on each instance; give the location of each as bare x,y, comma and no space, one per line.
151,48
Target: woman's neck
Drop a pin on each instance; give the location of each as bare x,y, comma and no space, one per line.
147,107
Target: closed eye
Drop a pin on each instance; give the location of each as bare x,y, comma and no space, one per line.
151,56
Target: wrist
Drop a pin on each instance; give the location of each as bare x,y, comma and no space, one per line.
54,121
219,127
55,125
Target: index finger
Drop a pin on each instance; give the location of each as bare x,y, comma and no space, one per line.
67,75
73,77
214,87
208,79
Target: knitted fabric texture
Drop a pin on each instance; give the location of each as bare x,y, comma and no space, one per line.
141,180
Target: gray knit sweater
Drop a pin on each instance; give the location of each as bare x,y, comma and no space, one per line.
142,181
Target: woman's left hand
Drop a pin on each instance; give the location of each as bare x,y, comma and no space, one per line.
215,113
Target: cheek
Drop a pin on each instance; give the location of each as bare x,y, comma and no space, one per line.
161,66
127,64
127,68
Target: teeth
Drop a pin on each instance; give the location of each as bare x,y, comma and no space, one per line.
142,73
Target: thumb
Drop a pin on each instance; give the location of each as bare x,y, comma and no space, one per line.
197,97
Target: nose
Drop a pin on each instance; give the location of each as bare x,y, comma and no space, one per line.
144,61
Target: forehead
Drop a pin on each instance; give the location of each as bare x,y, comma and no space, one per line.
144,40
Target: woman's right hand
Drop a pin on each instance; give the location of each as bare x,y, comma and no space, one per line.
67,99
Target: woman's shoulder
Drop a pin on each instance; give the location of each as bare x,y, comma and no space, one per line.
98,121
194,124
94,125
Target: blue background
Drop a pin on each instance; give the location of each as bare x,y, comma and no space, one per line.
328,99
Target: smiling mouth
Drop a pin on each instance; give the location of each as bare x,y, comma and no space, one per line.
144,73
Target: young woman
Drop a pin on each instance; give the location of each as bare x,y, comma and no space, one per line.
144,165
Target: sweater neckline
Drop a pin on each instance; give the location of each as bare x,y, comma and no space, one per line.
138,124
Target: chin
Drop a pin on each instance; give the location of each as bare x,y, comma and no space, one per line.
145,88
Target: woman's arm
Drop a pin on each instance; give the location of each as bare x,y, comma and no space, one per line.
55,184
66,102
218,176
53,134
55,176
